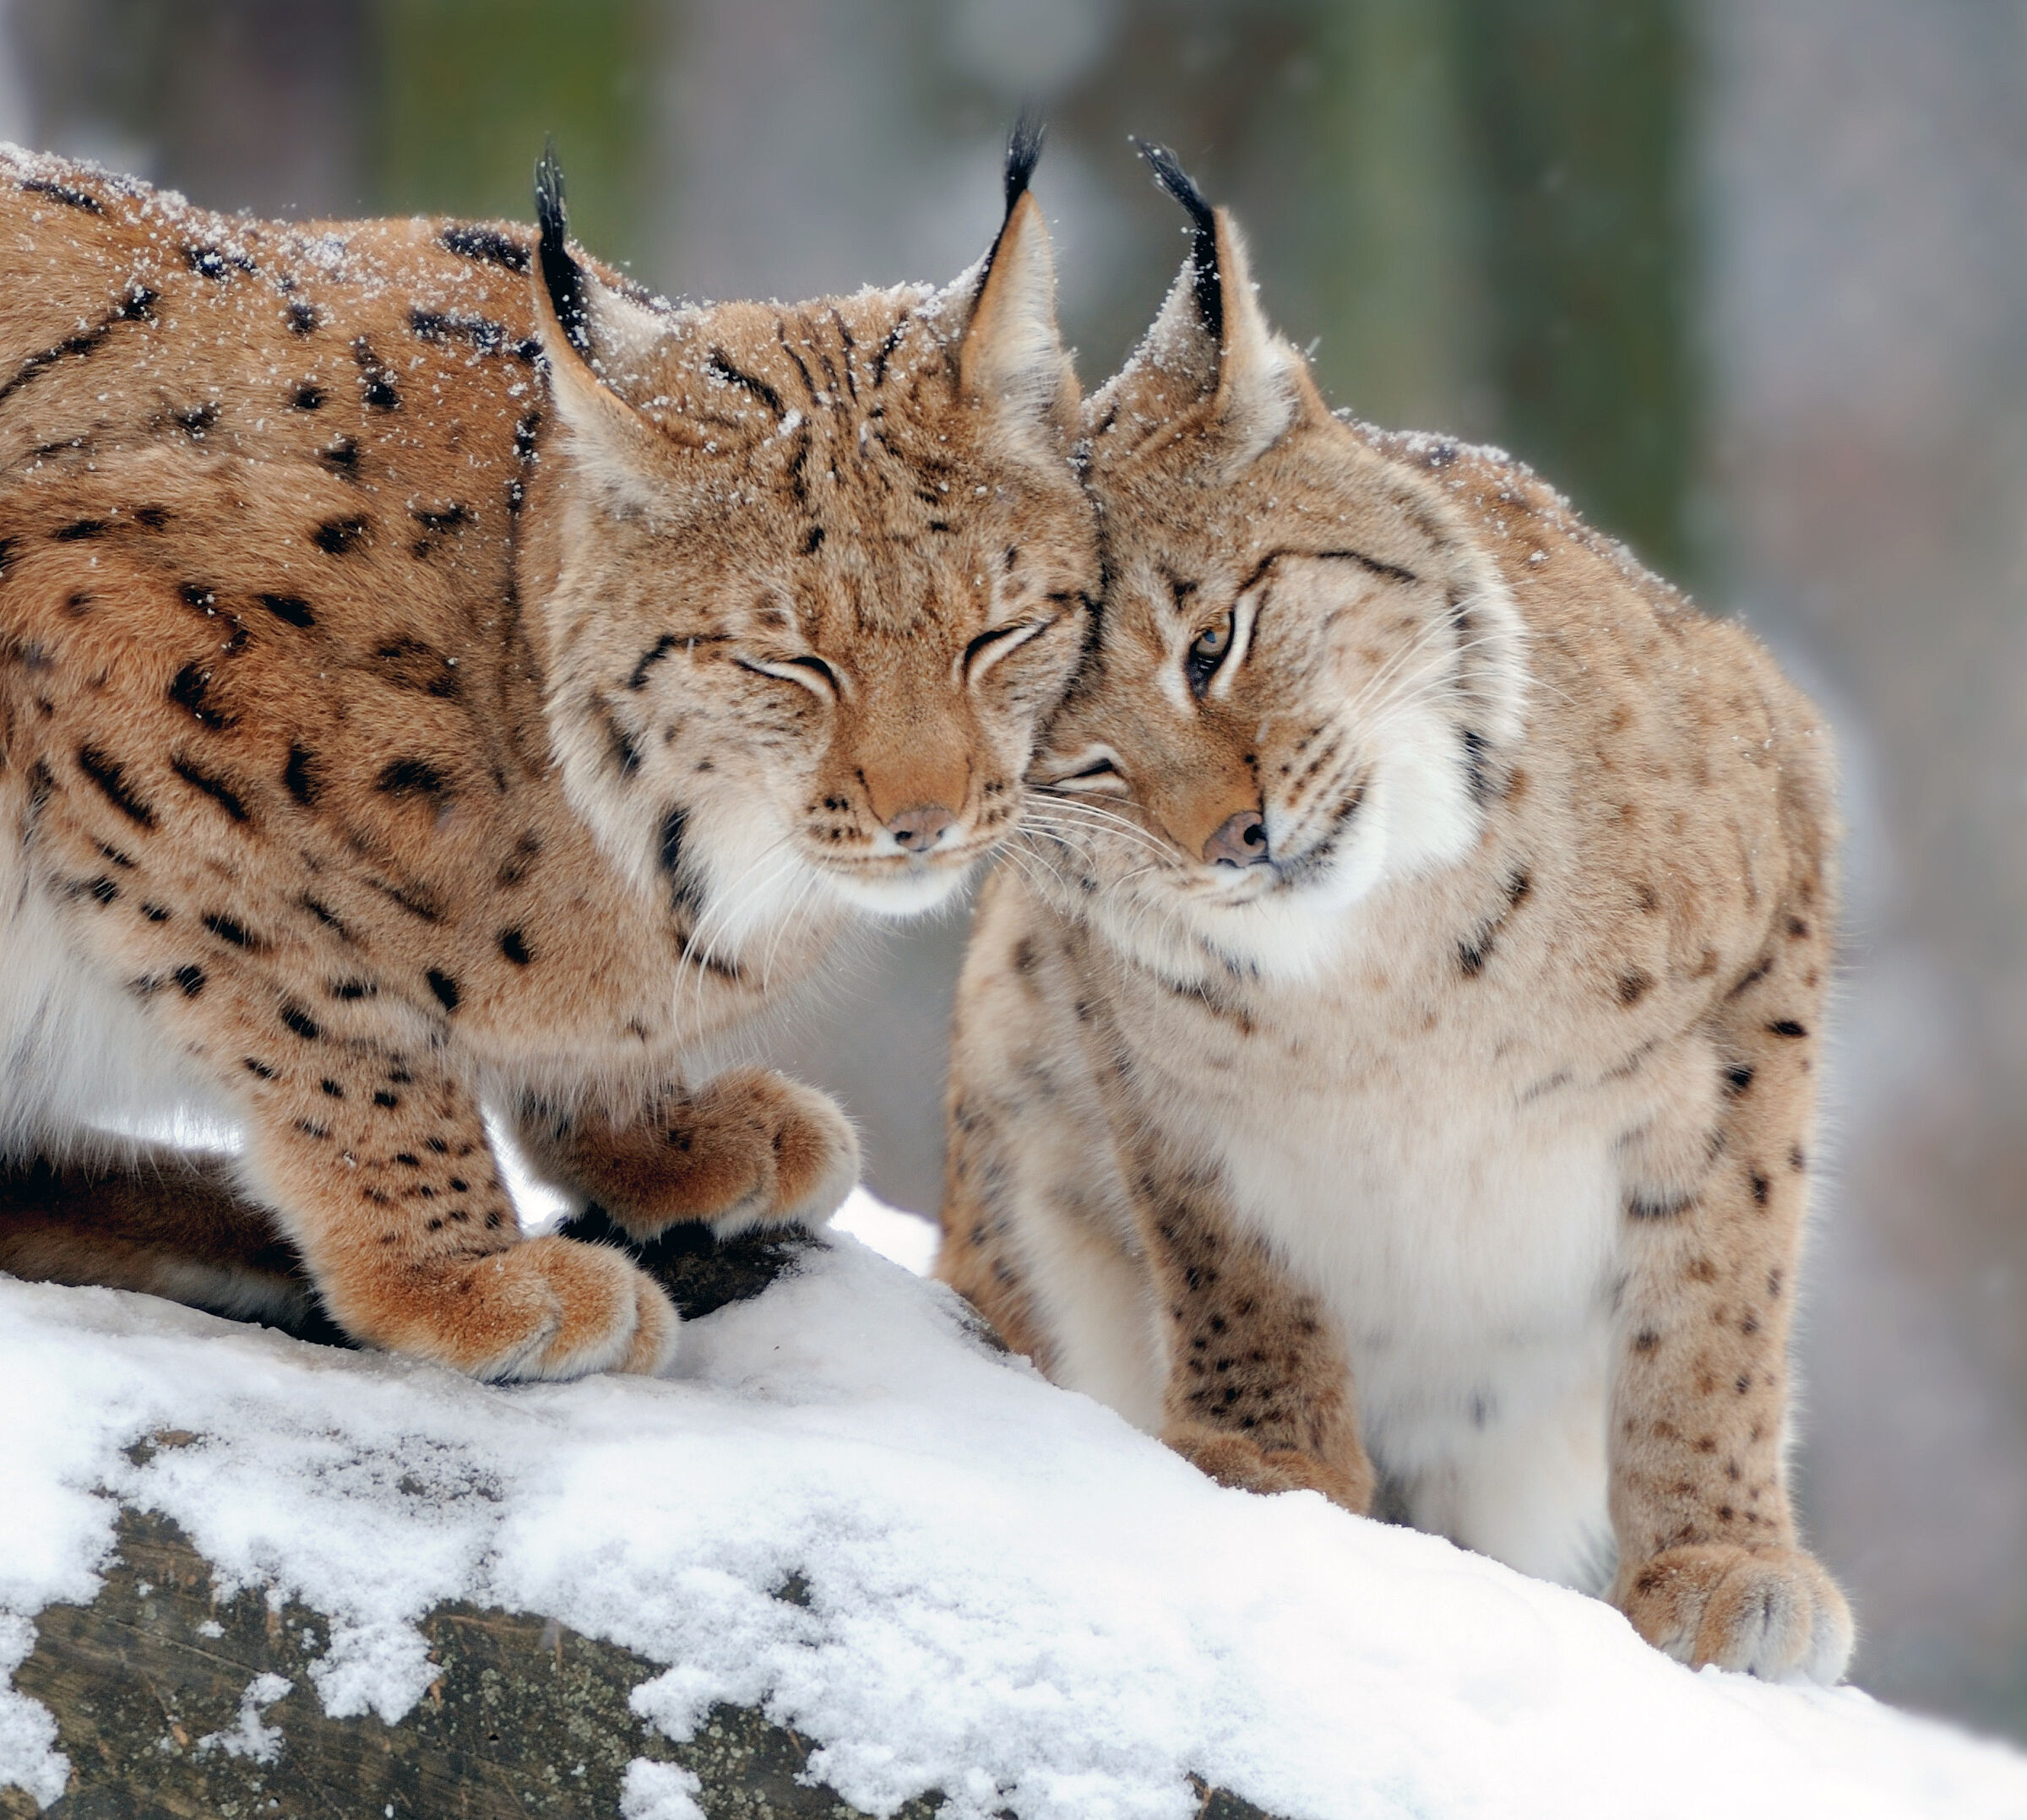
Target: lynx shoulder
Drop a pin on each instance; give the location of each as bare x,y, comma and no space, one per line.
434,675
1391,1069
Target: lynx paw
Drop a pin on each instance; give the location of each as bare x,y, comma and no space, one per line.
1773,1612
547,1308
804,1155
1233,1460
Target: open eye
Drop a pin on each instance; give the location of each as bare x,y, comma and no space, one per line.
1207,654
811,672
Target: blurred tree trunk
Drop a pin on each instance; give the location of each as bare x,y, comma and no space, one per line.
1577,112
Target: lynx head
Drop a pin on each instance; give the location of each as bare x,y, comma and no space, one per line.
1307,667
808,576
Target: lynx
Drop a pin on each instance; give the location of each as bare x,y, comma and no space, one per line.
1388,1069
435,676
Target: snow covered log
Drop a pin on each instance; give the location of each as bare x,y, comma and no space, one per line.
847,1557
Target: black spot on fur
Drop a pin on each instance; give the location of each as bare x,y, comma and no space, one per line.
226,930
63,193
111,779
1738,1079
154,517
301,317
413,777
1760,1186
487,245
80,530
341,536
300,1021
482,333
157,913
444,987
210,262
187,690
299,776
190,979
377,384
308,396
1786,1027
218,790
341,458
514,946
1632,988
259,1070
291,609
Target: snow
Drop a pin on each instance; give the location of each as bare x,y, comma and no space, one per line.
1011,1595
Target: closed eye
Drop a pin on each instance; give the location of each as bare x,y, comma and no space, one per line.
1093,772
989,647
811,672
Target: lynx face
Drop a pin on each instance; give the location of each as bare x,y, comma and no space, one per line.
819,572
1306,669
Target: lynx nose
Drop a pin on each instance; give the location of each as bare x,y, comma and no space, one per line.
1241,840
918,829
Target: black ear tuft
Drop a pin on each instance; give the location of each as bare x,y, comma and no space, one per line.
562,275
1023,152
1204,238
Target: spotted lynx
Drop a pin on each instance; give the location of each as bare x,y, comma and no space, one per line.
1389,1069
435,676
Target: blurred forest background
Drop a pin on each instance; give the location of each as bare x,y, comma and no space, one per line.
1746,278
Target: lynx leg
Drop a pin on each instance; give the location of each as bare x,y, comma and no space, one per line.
1710,1567
165,1222
378,1167
1259,1391
751,1148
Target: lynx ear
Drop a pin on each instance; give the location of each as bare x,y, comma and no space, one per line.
1211,351
594,336
1011,359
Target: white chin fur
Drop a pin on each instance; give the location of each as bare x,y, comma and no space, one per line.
903,893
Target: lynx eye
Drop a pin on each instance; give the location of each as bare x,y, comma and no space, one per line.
811,672
989,647
1207,654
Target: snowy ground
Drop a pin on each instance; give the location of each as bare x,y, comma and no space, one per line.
1013,1595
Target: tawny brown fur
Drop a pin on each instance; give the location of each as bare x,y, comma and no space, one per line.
1492,1084
407,704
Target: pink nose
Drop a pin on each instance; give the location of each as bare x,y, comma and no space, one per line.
1241,840
918,829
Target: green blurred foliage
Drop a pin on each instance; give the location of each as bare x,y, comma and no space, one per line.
466,91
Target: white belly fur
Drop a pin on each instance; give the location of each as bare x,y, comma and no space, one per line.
78,1061
1468,1259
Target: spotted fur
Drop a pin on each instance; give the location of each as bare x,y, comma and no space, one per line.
1390,1066
410,703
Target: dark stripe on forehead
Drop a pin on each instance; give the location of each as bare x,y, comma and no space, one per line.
719,368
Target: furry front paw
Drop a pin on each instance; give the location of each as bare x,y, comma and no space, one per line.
1234,1460
750,1149
1773,1612
810,1158
545,1308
